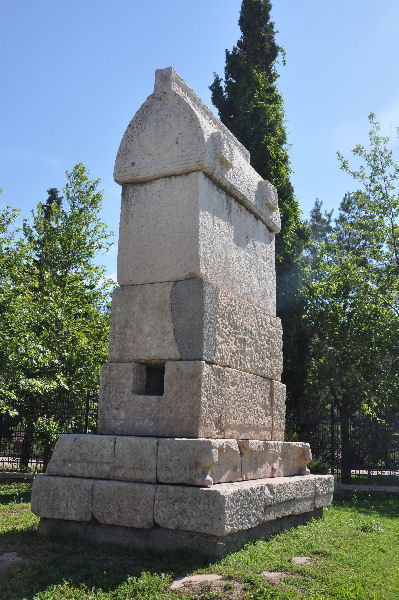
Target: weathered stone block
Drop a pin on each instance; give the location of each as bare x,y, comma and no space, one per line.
228,466
191,202
199,400
135,459
183,411
236,249
295,458
199,462
194,320
141,324
218,510
261,459
105,457
324,491
115,378
125,504
176,227
81,455
289,496
62,498
228,507
175,133
247,402
278,402
195,352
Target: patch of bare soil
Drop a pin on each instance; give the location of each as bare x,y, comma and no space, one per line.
275,577
303,560
209,583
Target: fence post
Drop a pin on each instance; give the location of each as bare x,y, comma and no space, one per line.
87,411
332,436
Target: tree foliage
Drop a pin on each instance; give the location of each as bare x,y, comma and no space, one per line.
55,322
251,106
352,287
352,291
13,253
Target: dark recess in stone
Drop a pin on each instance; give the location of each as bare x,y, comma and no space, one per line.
154,379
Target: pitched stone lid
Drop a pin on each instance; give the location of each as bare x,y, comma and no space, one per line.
174,133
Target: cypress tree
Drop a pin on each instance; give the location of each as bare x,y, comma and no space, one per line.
251,106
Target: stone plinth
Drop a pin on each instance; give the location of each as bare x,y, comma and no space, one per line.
199,462
218,511
198,400
190,451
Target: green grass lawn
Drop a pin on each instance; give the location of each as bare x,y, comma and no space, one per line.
354,547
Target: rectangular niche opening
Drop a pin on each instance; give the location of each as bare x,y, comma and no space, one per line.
154,379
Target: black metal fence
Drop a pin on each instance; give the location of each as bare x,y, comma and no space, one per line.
361,448
26,439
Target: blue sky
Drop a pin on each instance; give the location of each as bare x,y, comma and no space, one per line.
73,73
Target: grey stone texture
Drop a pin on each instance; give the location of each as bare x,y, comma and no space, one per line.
190,451
80,455
199,400
175,133
65,498
295,458
141,324
197,462
164,540
179,227
290,496
124,503
194,320
324,491
229,507
219,510
124,458
261,459
278,402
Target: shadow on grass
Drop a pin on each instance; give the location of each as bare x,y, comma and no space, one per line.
384,504
53,560
15,496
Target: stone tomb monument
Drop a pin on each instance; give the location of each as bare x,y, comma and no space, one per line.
190,451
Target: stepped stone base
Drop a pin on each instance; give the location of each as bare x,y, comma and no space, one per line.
201,462
161,539
218,512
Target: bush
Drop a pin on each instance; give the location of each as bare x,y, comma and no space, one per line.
318,466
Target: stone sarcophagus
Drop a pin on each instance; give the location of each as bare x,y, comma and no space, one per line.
190,451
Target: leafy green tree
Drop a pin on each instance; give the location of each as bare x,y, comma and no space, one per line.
251,106
58,319
352,292
13,253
